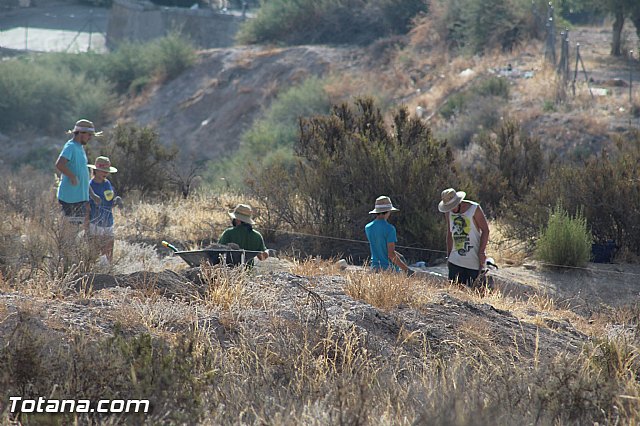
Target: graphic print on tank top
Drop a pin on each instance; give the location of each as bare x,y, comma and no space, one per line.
460,232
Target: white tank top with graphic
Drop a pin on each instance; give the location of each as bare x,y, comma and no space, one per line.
466,238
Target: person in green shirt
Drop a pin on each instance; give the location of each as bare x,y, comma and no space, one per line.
242,232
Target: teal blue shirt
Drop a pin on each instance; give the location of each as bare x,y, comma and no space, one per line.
380,233
77,163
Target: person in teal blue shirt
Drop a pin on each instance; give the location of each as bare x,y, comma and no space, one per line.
74,190
382,238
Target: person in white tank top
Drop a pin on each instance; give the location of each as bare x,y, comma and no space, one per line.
467,236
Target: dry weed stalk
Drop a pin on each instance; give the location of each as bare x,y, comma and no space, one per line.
225,287
384,290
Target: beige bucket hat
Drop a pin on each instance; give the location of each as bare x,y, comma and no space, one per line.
450,199
242,212
383,205
103,164
84,125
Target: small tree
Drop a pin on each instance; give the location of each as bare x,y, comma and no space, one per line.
141,159
350,157
566,239
184,179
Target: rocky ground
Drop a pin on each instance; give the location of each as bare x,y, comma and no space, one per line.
94,303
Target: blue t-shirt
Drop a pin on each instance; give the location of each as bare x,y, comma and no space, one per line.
102,215
380,233
77,163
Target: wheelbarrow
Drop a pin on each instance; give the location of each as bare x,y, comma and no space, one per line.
229,257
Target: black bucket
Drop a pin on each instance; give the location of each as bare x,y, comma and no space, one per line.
603,252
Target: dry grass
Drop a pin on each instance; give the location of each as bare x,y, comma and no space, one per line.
226,287
201,217
384,290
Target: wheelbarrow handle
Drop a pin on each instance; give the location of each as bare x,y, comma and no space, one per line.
170,246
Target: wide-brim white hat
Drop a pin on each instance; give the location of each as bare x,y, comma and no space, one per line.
450,199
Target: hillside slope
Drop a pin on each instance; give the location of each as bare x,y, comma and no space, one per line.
206,109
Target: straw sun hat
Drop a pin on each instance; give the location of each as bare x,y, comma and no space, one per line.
450,199
103,164
242,212
86,126
383,205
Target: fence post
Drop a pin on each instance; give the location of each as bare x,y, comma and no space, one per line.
550,53
90,29
575,72
631,106
630,77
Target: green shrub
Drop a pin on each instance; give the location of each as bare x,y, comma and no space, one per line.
604,185
566,239
475,26
511,164
346,160
272,137
329,21
142,161
467,101
40,96
162,59
171,55
478,115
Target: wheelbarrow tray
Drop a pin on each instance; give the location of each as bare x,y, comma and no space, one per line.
215,256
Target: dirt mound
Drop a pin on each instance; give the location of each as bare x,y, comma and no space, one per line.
207,108
320,300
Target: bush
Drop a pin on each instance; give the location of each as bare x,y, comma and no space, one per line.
162,59
38,95
329,21
141,160
511,164
566,239
346,160
604,185
475,26
272,138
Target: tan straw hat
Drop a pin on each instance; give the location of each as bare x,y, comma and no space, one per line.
450,199
85,126
243,213
383,205
103,164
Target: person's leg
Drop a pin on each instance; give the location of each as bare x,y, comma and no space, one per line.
460,275
454,272
74,212
108,248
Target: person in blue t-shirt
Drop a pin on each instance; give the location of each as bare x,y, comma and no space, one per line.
101,215
382,238
74,190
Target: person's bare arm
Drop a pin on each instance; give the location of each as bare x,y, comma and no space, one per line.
61,165
449,237
393,257
96,199
482,224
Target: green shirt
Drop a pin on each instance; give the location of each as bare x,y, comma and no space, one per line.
247,238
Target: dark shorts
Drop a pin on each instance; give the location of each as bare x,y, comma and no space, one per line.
462,275
75,212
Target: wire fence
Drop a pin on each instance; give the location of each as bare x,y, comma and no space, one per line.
49,32
572,72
